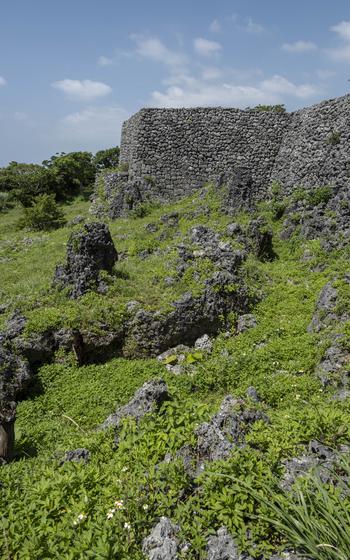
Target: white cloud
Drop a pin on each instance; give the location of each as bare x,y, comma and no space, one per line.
342,29
154,49
211,73
280,85
82,89
341,53
210,95
299,47
93,127
3,82
204,47
201,93
215,26
253,27
104,61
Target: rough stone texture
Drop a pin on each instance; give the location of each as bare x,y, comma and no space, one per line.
218,437
317,456
168,153
222,547
332,368
204,343
147,399
245,322
151,333
307,155
162,543
183,148
76,456
88,252
15,374
325,314
259,240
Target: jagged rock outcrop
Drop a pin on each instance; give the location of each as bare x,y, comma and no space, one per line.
217,438
148,398
151,333
89,251
222,547
318,456
328,316
163,542
260,240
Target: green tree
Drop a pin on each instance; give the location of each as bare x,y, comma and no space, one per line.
26,181
73,173
43,214
106,159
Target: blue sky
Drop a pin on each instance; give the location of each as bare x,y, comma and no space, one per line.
72,71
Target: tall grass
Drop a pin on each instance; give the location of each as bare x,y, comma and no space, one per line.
314,518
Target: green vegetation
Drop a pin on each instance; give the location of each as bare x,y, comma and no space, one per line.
63,175
334,138
52,511
273,108
44,214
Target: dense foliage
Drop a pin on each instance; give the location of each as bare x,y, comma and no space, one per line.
64,175
43,214
49,510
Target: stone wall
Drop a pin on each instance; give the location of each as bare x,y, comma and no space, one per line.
180,149
168,153
315,149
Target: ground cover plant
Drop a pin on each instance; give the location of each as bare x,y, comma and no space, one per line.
104,508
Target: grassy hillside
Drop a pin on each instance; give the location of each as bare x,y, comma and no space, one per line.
49,510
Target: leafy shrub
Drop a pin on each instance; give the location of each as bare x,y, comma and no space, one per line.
334,138
142,209
315,519
5,201
26,181
72,173
44,214
275,108
106,159
320,195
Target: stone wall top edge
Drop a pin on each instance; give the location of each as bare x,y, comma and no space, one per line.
203,109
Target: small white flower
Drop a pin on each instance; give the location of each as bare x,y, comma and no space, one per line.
110,513
145,507
127,526
119,504
124,469
81,517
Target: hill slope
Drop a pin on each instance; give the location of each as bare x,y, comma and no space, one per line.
156,466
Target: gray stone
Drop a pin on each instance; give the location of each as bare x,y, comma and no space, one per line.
325,309
217,438
253,394
245,322
151,333
204,343
89,251
147,399
170,153
260,240
162,543
76,456
316,457
222,546
233,230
